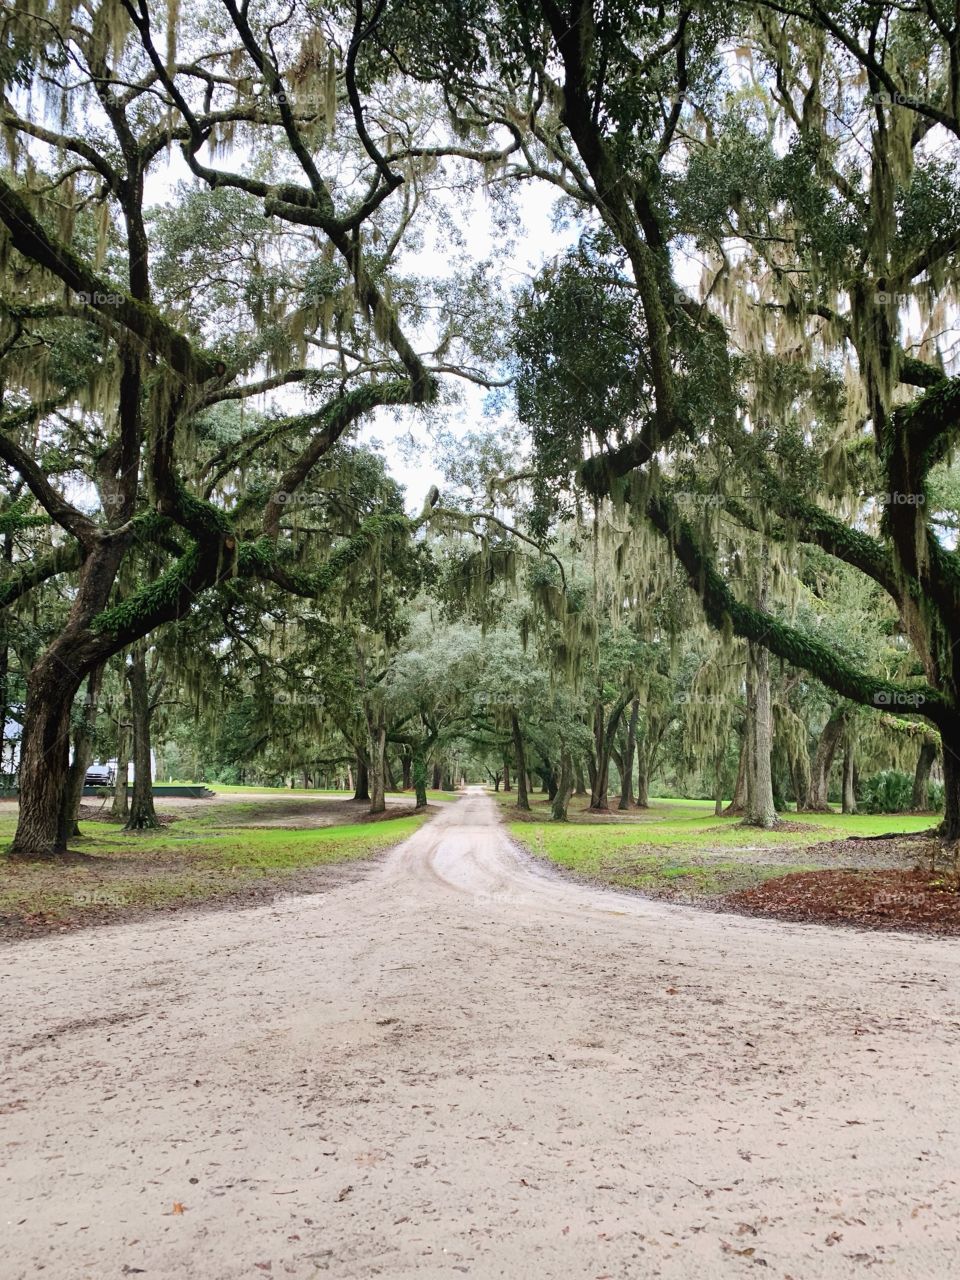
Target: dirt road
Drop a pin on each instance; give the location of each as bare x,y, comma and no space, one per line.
464,1066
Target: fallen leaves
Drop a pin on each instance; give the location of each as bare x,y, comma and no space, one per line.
749,1252
889,899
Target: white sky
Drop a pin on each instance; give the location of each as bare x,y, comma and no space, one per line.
536,243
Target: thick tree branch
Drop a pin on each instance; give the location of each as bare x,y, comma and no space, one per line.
726,613
160,338
33,573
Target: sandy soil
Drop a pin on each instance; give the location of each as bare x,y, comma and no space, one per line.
465,1065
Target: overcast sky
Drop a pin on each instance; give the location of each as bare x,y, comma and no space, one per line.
536,241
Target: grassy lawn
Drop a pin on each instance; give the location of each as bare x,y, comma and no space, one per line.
680,849
202,857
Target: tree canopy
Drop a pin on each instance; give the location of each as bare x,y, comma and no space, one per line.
693,510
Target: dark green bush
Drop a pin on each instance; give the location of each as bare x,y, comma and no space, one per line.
889,791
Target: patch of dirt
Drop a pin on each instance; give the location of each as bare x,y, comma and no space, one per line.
302,815
104,907
101,813
866,853
915,900
782,824
464,1053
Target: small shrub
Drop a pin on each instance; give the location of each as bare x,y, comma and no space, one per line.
889,791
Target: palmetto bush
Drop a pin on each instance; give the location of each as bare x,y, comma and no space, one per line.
889,791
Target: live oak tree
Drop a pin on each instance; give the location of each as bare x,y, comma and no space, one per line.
276,277
209,211
813,172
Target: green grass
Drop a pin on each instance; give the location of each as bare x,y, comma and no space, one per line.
200,858
679,848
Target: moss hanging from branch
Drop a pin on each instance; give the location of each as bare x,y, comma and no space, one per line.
726,613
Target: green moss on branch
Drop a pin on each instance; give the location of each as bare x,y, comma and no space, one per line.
725,612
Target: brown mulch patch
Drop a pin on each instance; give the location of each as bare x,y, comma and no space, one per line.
917,900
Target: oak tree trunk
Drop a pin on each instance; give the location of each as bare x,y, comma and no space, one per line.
604,737
70,801
120,808
580,788
591,770
739,802
761,811
52,685
950,740
920,799
44,757
629,750
800,779
520,757
143,816
643,781
419,771
564,786
377,765
718,787
361,789
849,800
830,739
601,772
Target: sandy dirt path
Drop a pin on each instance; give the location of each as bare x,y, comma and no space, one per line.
465,1066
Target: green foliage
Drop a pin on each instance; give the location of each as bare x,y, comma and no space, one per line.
889,791
927,205
737,444
582,376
